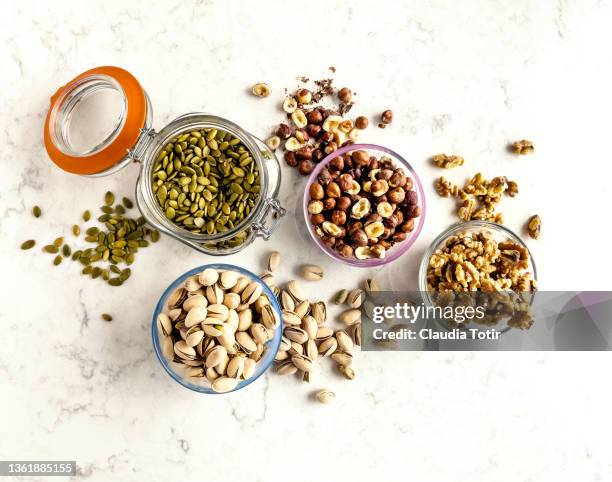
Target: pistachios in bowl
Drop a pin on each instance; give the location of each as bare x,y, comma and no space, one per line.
217,328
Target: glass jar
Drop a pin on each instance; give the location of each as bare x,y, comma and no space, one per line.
100,121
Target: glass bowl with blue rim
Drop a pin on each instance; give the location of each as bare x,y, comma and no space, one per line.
177,370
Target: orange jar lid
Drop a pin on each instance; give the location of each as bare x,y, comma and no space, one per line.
113,147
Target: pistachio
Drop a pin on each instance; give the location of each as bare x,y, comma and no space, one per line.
347,372
249,368
355,333
371,285
302,362
229,279
286,368
302,309
340,297
164,324
217,311
319,312
287,301
328,346
281,356
208,277
296,334
224,384
355,298
196,315
324,332
269,318
311,272
351,316
273,261
295,290
310,326
345,343
325,396
342,358
251,292
235,367
246,342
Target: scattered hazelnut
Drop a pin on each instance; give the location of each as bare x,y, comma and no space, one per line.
314,116
361,122
299,118
305,167
273,142
346,125
354,135
304,96
302,135
289,105
313,130
292,144
283,131
304,153
387,117
331,147
261,90
345,95
290,159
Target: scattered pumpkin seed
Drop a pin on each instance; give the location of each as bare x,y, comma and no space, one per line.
66,251
109,198
59,241
107,317
127,202
86,215
29,244
51,249
36,211
57,260
76,230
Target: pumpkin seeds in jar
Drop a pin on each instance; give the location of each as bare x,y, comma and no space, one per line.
207,182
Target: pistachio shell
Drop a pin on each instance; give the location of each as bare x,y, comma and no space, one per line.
229,279
195,372
355,333
208,277
215,356
274,261
218,311
310,326
348,317
212,330
324,332
259,333
347,372
311,350
192,284
235,367
345,343
164,324
302,309
194,338
240,285
286,368
176,297
231,300
296,334
196,300
249,368
227,339
195,316
245,318
269,318
251,292
302,362
211,374
328,346
319,312
246,342
311,272
287,301
295,290
175,313
325,396
281,356
224,384
214,294
184,351
167,348
285,344
291,318
342,358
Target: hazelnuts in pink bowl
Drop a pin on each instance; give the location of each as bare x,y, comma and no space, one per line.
364,205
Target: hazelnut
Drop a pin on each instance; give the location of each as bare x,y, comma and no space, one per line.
329,241
290,159
331,123
367,186
304,96
299,118
387,117
400,216
412,198
315,116
378,250
387,232
317,219
354,226
408,184
304,153
345,182
283,131
315,207
398,179
301,135
337,163
355,188
343,203
331,147
360,238
379,188
327,137
353,136
317,155
346,251
261,90
385,174
305,167
316,191
413,211
396,195
373,164
372,175
384,209
346,125
313,130
329,203
392,221
374,230
292,144
345,95
361,208
374,217
408,226
331,229
324,176
385,244
333,190
273,142
360,158
338,217
361,122
399,237
363,252
289,105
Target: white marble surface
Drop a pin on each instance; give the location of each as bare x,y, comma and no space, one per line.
464,77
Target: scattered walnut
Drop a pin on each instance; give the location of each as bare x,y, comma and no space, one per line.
534,226
523,147
445,188
445,161
512,190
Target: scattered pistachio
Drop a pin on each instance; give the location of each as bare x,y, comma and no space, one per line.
325,396
311,272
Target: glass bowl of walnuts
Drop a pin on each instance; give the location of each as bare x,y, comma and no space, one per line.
364,205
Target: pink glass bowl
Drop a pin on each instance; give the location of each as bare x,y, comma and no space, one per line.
397,249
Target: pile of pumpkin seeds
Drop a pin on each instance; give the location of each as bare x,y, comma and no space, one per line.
117,242
206,181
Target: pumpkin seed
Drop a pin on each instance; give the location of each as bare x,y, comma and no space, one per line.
127,202
51,248
76,230
107,317
66,251
29,244
36,211
57,260
109,198
86,216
